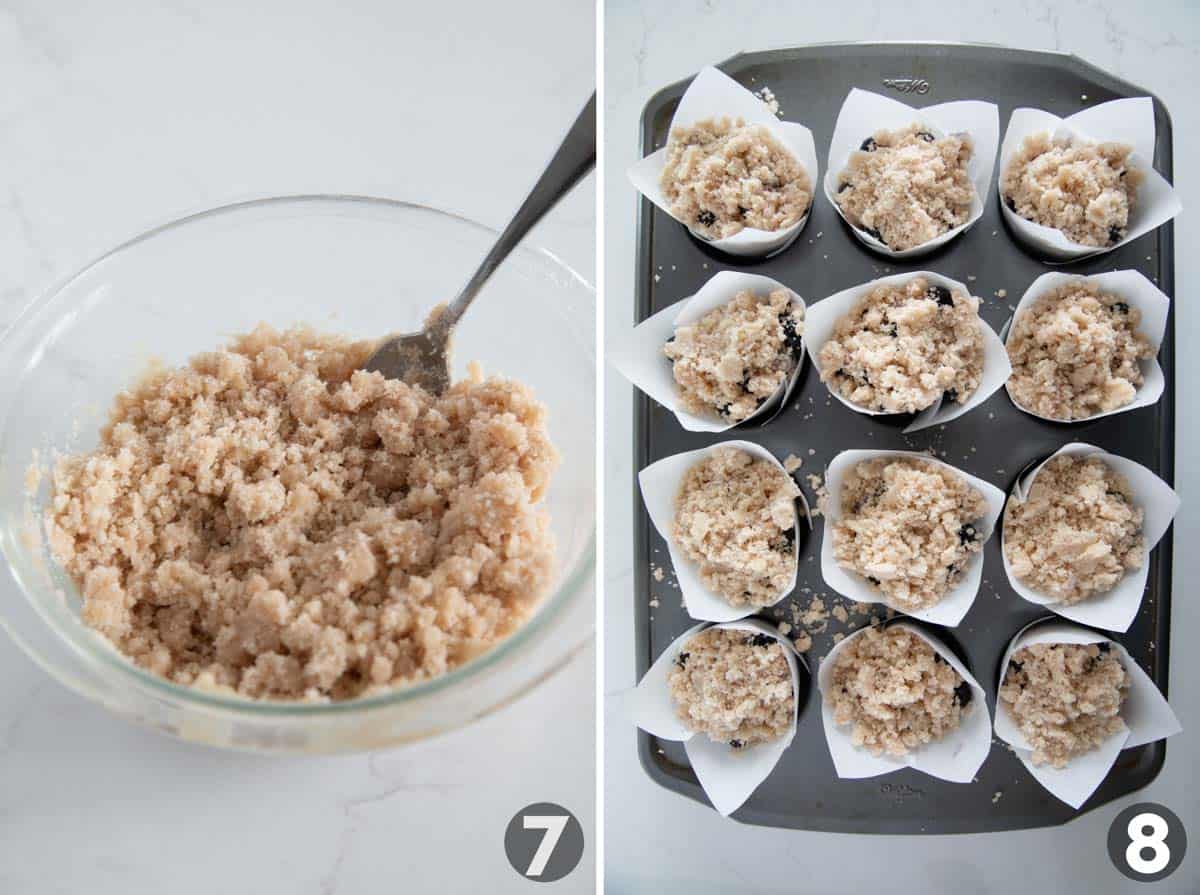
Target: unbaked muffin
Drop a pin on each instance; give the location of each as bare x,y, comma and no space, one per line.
735,357
905,346
1085,190
733,686
1075,352
1076,533
908,186
895,691
909,527
736,516
723,175
1065,698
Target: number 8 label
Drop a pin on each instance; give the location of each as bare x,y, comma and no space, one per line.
1155,841
1147,842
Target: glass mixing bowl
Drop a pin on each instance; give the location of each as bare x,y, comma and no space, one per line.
358,266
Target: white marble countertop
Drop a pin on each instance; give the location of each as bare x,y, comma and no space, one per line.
114,117
658,841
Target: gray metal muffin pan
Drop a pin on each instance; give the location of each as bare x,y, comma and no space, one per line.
994,441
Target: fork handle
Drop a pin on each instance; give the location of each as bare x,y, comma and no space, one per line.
576,156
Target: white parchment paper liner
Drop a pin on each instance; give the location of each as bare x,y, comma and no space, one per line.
1137,292
1116,609
660,483
863,113
950,611
713,94
1147,716
728,777
821,318
639,357
1129,121
955,758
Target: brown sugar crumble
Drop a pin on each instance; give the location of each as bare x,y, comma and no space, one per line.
909,527
1085,190
274,521
1077,532
734,686
908,186
733,359
736,515
904,347
1065,698
723,175
1075,352
896,692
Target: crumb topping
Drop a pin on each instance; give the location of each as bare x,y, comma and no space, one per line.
272,520
1077,532
908,186
723,175
896,692
734,358
1065,698
1086,190
904,347
909,527
1075,353
736,517
734,686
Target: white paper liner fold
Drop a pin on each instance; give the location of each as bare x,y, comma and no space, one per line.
1137,292
713,94
951,609
728,776
639,357
660,483
1129,121
822,317
863,113
1116,609
1147,716
955,758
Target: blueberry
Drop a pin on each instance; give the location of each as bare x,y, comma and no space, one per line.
941,295
1104,647
743,211
950,395
891,330
1014,667
1010,204
1121,308
845,185
681,660
724,411
791,338
967,534
925,135
706,218
760,640
873,580
872,232
869,145
1114,235
963,694
737,744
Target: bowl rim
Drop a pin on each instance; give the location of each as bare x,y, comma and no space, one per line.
97,650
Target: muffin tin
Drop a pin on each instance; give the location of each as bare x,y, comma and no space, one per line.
994,442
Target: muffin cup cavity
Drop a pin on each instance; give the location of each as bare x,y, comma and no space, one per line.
822,317
1116,609
955,758
728,777
957,601
640,359
1129,121
863,113
1136,291
1145,711
660,483
713,94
